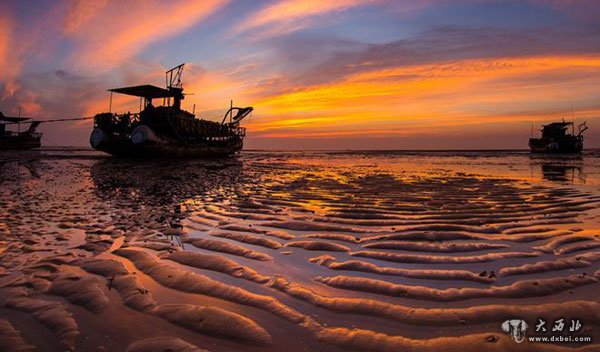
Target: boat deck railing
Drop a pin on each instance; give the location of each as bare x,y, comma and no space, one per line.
119,123
122,124
240,131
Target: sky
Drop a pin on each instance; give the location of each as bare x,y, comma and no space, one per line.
343,74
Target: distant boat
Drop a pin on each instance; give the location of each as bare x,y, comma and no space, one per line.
28,139
556,139
167,130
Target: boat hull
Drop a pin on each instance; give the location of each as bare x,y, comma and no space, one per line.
145,143
568,146
20,142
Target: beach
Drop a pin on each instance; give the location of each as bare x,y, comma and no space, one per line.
297,251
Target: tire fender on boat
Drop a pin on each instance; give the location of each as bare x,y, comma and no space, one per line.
98,137
143,134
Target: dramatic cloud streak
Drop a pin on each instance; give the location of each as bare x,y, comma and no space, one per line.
288,16
6,61
109,33
433,96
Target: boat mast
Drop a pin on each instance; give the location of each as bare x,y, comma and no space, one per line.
173,83
531,134
572,119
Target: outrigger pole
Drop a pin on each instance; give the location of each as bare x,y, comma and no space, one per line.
68,119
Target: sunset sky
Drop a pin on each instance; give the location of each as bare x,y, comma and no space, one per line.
345,74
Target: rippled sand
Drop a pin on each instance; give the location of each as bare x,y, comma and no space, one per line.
295,251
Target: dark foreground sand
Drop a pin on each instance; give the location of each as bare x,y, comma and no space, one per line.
295,252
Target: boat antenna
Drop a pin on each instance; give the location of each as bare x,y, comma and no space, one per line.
173,77
531,130
174,85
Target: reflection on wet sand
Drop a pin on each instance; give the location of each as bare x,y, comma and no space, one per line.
288,251
18,169
563,173
567,169
162,188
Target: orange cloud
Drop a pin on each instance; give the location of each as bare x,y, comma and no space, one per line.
5,34
212,91
290,15
10,65
80,12
425,98
108,35
12,52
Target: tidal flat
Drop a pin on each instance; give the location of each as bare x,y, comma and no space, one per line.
296,251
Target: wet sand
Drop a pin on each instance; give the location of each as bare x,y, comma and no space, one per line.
295,251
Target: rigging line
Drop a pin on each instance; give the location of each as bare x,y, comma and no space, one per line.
68,119
52,120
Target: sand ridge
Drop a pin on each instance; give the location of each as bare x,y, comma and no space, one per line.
275,252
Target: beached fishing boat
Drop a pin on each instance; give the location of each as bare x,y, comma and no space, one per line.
15,140
556,139
167,130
